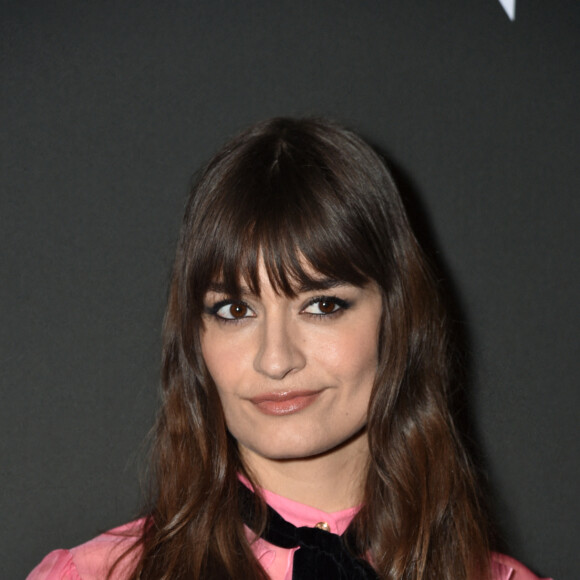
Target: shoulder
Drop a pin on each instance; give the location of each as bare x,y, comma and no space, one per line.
506,568
92,560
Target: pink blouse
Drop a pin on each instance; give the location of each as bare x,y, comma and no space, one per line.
91,561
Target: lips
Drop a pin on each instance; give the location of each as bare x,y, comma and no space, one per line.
285,403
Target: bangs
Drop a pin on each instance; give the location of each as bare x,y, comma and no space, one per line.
294,223
306,208
291,257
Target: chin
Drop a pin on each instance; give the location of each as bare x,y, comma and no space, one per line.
288,448
299,447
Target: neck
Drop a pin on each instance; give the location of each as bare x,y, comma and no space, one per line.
330,482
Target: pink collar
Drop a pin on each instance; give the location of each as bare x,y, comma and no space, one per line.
278,561
299,514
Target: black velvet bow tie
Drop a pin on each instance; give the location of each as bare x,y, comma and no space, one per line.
321,555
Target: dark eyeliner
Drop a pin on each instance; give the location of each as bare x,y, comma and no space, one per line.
215,308
341,303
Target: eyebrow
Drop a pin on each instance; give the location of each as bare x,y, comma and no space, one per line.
310,286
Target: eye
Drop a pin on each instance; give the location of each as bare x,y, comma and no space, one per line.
228,310
325,305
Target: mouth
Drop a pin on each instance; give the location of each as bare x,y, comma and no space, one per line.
285,403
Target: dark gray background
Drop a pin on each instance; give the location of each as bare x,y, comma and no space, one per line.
108,107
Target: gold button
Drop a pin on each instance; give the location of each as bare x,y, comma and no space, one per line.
323,526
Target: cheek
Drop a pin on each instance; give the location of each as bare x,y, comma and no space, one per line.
353,354
222,361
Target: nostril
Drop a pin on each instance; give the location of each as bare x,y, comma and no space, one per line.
279,354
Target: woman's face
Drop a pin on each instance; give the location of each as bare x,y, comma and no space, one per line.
294,375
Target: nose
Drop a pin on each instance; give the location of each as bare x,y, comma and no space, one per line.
279,353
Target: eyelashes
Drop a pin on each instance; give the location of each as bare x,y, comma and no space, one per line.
230,310
233,311
326,306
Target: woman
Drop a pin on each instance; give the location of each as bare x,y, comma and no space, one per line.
305,359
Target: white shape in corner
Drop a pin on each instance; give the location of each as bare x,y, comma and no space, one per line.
510,8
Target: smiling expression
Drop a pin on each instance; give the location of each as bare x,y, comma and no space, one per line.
294,374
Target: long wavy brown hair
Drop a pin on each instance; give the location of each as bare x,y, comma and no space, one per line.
299,192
